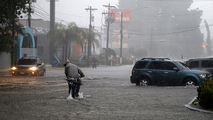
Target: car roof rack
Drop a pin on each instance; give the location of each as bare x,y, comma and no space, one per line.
203,58
155,59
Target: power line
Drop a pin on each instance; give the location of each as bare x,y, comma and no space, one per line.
40,12
42,8
166,33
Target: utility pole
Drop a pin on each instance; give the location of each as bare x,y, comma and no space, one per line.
121,37
13,37
29,14
89,37
52,24
30,10
52,14
108,22
208,38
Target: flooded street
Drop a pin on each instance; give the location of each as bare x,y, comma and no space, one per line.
108,94
167,41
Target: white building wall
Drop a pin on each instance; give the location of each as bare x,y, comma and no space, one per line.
5,61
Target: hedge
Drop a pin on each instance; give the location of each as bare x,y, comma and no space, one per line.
205,94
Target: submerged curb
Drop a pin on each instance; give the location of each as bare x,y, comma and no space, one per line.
5,73
196,109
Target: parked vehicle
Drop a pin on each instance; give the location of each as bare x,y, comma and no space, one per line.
163,71
29,66
204,64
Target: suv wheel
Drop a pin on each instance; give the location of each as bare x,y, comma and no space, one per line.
189,82
144,82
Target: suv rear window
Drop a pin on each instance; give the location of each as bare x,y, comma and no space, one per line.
155,65
141,64
207,63
161,65
194,64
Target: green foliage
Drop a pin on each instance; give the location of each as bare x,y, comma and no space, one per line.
5,43
140,53
81,64
205,94
11,10
126,61
71,33
73,61
76,62
109,52
131,51
94,41
56,36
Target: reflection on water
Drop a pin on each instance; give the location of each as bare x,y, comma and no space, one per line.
11,81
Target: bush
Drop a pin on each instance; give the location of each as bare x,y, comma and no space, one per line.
80,64
205,95
126,61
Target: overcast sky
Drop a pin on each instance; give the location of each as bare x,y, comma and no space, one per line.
207,7
74,10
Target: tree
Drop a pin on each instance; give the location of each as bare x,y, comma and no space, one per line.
109,52
72,32
11,10
131,52
56,37
140,53
66,34
94,35
208,38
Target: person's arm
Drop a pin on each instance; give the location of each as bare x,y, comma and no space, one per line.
66,71
81,73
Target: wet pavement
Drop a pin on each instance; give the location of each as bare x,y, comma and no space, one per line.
108,94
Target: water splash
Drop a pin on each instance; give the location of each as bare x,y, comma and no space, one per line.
71,98
80,95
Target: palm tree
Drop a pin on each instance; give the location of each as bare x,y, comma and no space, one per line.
74,33
94,41
70,33
56,36
109,52
94,34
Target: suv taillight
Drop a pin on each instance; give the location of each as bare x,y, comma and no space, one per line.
133,72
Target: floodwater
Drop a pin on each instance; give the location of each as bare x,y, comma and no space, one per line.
107,94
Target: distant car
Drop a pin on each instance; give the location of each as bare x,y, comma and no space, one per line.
161,71
31,65
204,64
